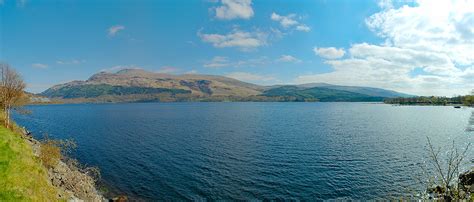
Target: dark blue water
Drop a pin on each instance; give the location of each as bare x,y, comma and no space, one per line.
253,150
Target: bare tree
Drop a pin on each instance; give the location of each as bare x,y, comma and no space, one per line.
11,91
443,171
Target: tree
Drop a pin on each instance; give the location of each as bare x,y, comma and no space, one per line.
11,91
441,174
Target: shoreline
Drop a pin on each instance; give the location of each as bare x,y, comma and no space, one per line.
71,183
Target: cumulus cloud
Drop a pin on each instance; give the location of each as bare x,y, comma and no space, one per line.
289,21
112,31
236,38
303,28
249,77
436,26
288,58
39,66
329,53
285,21
233,9
385,4
434,36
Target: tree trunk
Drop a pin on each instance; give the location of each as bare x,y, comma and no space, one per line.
8,118
5,122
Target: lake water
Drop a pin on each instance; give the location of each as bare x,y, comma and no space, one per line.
179,151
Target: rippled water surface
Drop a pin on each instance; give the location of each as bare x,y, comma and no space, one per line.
252,150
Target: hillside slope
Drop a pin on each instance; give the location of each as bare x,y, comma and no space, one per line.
22,176
136,85
377,92
139,82
322,94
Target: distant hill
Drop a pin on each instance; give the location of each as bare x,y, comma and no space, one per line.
323,94
377,92
136,85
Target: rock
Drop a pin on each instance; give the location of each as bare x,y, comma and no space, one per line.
121,198
466,183
72,184
467,178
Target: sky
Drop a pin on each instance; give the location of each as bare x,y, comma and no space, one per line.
421,47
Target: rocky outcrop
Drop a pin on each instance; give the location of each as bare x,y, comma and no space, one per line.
72,184
198,85
466,182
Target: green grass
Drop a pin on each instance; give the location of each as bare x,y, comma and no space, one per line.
22,176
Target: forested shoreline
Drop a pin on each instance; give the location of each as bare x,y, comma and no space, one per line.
467,100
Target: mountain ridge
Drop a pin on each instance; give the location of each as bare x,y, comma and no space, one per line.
133,85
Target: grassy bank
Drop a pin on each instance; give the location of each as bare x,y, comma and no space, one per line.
22,176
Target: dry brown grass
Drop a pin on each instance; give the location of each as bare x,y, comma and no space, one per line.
52,151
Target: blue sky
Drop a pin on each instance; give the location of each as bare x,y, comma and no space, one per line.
265,42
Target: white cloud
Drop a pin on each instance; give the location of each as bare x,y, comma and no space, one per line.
434,36
385,4
233,9
112,31
288,58
39,66
303,28
249,77
240,39
70,62
285,21
437,26
289,21
329,53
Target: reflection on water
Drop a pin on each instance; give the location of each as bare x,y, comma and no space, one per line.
470,126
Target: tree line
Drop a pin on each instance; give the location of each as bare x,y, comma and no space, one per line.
467,100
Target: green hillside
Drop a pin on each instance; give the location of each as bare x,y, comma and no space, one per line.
135,85
22,176
295,93
91,91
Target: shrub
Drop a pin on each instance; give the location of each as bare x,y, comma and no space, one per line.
54,150
50,153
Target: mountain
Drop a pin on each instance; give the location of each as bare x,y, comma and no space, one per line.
377,92
323,94
141,85
133,85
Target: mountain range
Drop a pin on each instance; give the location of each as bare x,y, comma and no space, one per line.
137,85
